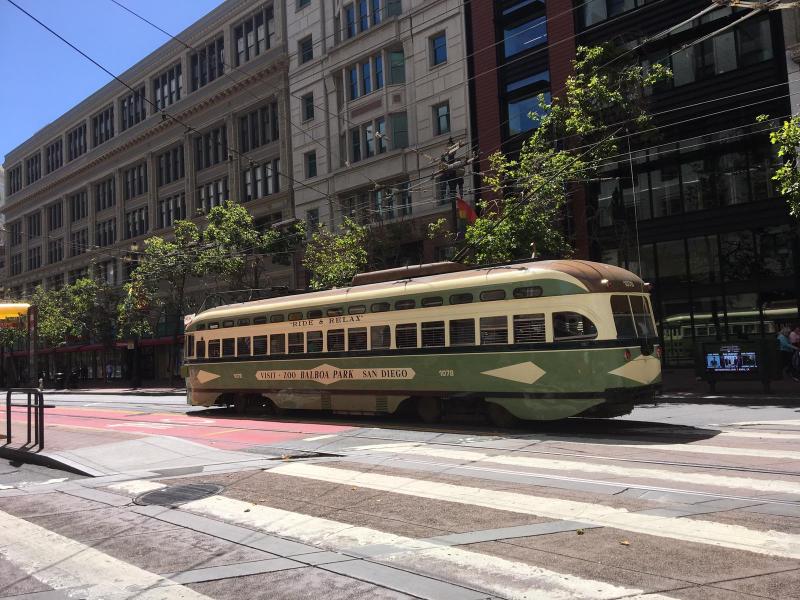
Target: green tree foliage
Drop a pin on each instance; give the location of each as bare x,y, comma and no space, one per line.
53,322
236,251
333,258
573,135
787,139
90,306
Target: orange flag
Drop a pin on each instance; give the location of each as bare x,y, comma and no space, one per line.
465,211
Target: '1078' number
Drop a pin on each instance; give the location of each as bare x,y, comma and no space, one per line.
446,373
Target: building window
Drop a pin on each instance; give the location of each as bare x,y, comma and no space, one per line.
15,233
441,118
438,49
105,192
355,144
14,179
211,148
363,16
258,127
55,251
168,87
208,63
136,222
522,37
393,8
303,3
255,35
106,233
76,274
106,272
399,130
377,61
170,166
350,21
352,78
397,67
519,110
34,258
366,78
171,209
76,142
132,108
135,180
311,164
33,168
212,194
54,155
307,104
16,264
305,50
34,225
55,218
78,206
312,218
103,127
78,242
260,180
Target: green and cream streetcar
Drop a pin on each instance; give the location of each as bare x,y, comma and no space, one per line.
532,340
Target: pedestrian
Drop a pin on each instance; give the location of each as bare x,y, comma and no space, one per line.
794,335
109,372
787,350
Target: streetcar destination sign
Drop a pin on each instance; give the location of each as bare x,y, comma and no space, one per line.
326,374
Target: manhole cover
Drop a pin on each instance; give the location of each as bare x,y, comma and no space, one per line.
178,494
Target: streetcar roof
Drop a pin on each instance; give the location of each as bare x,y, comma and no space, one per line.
578,276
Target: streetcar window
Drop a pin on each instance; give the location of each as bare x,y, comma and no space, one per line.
227,323
314,341
494,330
642,316
461,298
201,327
336,340
432,301
357,338
260,345
277,343
433,334
276,319
572,326
242,322
529,328
462,332
405,304
358,309
189,346
532,291
296,343
228,346
492,295
213,348
380,337
623,319
243,346
335,312
295,316
201,349
259,320
380,307
406,335
314,314
213,325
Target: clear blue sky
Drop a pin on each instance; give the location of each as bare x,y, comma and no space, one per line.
42,78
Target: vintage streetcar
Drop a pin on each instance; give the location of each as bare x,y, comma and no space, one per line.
529,340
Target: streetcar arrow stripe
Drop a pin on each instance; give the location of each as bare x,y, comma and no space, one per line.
526,372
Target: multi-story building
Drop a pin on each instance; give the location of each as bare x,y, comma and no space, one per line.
2,227
377,90
700,218
193,127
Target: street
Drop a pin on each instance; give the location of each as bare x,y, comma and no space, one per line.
676,500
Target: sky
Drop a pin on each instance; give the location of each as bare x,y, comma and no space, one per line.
42,78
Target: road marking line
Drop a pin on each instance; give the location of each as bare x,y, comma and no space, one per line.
65,564
771,543
509,579
762,435
762,485
722,450
320,437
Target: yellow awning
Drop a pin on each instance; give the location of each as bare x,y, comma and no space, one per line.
9,311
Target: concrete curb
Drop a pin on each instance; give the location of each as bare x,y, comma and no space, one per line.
122,392
46,460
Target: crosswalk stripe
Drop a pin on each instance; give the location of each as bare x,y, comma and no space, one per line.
763,435
509,579
64,564
517,460
722,450
771,543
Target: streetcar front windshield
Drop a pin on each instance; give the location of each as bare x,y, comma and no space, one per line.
633,317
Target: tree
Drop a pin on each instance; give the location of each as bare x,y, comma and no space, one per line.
237,251
9,337
571,138
787,139
90,306
53,323
334,258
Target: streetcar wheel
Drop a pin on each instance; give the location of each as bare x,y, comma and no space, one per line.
429,409
499,416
